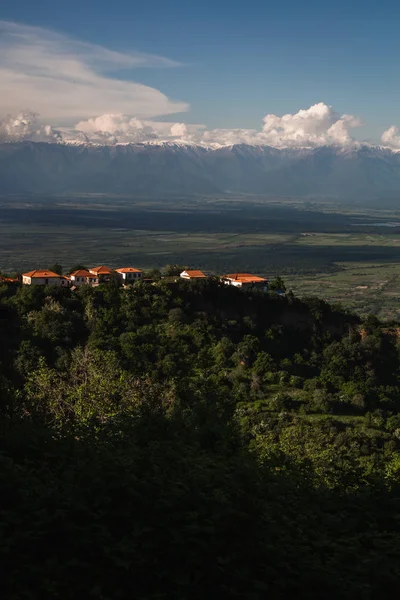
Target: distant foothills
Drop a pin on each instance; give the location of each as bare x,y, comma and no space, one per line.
81,275
165,169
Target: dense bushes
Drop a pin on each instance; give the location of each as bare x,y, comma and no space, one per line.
190,441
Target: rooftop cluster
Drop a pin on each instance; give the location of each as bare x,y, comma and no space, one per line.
124,275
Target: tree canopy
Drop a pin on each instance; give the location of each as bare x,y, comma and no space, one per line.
190,440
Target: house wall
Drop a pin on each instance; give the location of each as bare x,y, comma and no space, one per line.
246,285
43,281
232,282
130,276
84,280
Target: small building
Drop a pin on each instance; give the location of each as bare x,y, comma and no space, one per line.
8,280
43,277
83,277
245,280
129,274
66,279
193,274
103,273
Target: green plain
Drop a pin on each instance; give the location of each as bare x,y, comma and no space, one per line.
344,254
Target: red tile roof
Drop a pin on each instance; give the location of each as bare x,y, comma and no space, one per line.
128,270
194,273
40,274
102,270
245,278
83,273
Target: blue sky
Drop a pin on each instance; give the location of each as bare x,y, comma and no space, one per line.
242,60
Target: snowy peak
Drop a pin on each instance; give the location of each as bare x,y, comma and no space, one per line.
155,168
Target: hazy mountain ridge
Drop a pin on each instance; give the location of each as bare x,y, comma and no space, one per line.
157,168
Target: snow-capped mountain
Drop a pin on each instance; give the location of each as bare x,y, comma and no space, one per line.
178,168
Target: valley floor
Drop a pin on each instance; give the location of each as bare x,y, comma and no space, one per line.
341,253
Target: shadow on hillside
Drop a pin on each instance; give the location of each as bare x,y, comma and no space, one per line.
159,507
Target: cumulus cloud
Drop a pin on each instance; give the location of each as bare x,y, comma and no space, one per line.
318,125
391,137
116,128
179,130
66,79
315,126
27,126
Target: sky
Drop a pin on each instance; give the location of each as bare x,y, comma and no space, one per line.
281,73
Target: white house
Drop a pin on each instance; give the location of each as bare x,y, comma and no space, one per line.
43,277
102,273
83,277
245,280
129,274
193,274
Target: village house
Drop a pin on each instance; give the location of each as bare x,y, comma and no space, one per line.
83,277
45,277
103,273
129,274
193,274
245,280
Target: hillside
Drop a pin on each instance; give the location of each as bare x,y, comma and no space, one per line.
165,169
192,440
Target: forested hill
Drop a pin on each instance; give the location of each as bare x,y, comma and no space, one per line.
193,441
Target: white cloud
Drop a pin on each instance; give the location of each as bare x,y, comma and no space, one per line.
391,137
66,79
116,128
316,126
179,130
227,137
26,126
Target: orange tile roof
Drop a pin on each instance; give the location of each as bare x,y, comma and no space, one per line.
128,270
82,273
194,273
40,274
102,270
8,280
244,278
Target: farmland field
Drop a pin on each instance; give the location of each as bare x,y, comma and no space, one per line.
341,253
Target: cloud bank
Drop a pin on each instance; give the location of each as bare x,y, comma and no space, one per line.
27,126
66,79
70,81
318,125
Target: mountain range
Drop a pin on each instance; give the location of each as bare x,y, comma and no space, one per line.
158,169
